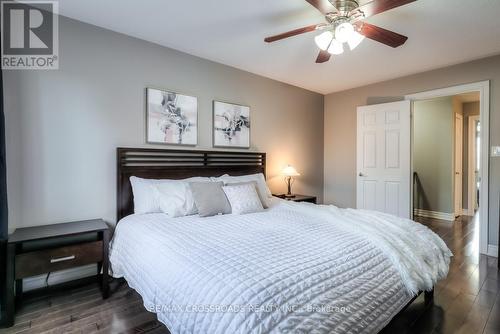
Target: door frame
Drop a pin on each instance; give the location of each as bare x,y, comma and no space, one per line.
483,87
471,157
458,142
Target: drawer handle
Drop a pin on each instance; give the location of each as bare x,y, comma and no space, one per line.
61,259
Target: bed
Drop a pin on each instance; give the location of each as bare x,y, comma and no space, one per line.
293,268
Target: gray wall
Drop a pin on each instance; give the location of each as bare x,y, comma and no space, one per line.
63,126
433,122
340,126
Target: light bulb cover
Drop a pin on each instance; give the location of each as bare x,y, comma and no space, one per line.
355,39
343,32
336,47
323,40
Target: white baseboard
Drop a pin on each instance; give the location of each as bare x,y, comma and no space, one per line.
435,214
492,250
57,277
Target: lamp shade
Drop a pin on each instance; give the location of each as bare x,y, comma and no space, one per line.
289,171
343,32
323,40
335,48
355,39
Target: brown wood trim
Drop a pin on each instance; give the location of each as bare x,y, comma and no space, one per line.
152,163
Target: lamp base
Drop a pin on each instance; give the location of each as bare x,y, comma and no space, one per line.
289,187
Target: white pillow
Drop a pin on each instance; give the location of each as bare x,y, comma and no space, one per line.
146,197
218,178
243,198
263,196
259,178
175,198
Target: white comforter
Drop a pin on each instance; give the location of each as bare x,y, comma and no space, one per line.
296,268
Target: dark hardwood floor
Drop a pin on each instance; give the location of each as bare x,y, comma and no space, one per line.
467,301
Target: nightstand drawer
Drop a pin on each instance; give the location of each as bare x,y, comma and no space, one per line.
44,261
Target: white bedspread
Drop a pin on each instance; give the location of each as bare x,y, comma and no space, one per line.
295,268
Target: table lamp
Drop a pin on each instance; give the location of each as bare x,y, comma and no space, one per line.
289,172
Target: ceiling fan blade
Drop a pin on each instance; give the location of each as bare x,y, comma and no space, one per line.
324,6
291,33
378,6
382,35
323,57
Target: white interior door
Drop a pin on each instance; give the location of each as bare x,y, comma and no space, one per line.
383,158
459,131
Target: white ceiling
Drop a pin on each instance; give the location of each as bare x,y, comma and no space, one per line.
441,32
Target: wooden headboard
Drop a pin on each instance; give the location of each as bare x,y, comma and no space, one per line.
150,163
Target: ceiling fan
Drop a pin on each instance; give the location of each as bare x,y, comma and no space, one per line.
345,25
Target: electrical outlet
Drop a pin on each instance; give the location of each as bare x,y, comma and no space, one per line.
495,151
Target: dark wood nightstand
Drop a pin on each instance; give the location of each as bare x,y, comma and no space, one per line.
298,198
44,249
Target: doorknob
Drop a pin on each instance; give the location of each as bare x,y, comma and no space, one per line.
361,174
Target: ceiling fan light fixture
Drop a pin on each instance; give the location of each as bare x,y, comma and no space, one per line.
355,39
336,47
345,24
323,40
343,32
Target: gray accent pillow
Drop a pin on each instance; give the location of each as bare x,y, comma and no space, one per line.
209,198
262,196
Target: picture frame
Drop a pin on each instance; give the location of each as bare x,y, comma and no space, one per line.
171,118
231,125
